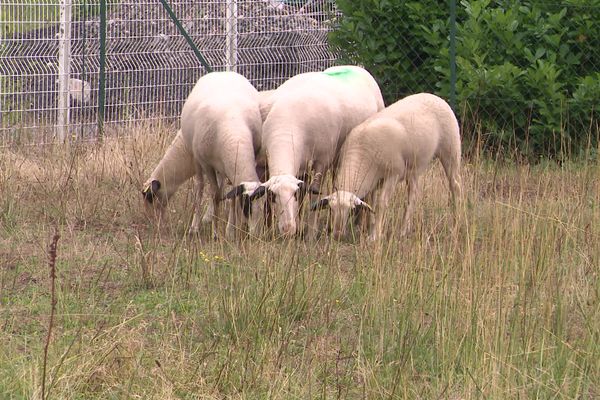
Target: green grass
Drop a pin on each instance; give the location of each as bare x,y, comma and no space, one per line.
31,15
502,304
28,15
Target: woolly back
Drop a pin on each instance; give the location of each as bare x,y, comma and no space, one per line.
432,111
222,125
354,75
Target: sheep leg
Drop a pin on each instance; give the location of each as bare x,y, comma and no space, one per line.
198,192
313,217
210,213
382,199
234,218
215,196
452,168
363,218
412,182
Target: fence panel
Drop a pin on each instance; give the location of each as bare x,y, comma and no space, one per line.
150,67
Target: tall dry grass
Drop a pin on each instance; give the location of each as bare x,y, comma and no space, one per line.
501,302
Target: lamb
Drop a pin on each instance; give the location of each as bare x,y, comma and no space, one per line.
219,136
397,143
310,115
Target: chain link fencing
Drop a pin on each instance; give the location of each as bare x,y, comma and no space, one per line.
150,67
523,75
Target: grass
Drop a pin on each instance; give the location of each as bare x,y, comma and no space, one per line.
503,304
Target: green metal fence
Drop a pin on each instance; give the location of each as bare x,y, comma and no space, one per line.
69,67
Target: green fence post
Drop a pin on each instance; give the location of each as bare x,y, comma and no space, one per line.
453,54
102,73
186,35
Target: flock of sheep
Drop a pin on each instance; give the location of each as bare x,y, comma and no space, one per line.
282,143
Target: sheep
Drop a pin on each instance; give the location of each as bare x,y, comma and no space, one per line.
219,136
265,106
266,101
397,143
80,91
309,118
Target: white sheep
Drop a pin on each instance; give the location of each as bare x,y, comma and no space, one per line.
310,115
266,101
397,143
80,91
220,134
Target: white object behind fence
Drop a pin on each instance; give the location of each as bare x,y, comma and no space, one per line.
150,67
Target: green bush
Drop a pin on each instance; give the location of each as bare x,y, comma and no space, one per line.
395,40
526,70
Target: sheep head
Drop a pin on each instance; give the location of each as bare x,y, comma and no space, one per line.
251,209
341,204
155,199
285,189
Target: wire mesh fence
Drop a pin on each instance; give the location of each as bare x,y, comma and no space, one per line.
150,68
521,73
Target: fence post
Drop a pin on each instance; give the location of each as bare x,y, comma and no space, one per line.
64,70
186,36
102,72
231,41
453,54
83,66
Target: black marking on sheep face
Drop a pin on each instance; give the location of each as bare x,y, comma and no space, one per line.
246,205
235,192
150,193
246,199
259,192
318,205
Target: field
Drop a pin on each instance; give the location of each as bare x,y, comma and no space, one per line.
501,302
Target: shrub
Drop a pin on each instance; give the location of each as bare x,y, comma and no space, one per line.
397,41
526,70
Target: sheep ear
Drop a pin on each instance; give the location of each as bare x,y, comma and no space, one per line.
150,192
318,205
148,195
235,192
259,192
361,205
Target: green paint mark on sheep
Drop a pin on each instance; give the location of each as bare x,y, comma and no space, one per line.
342,73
